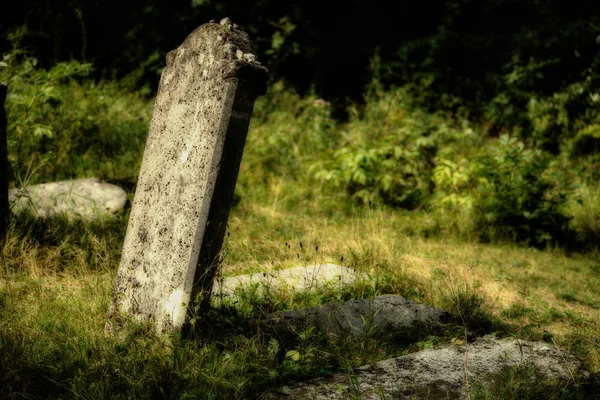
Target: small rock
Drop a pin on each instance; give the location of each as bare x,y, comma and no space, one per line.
283,281
81,198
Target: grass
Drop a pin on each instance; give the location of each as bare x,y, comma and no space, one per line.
55,290
293,209
526,381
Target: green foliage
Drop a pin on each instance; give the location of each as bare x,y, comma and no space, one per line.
508,108
391,173
586,216
61,127
387,152
556,119
587,141
454,183
392,152
548,118
288,134
521,196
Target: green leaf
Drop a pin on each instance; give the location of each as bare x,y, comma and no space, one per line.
293,354
277,40
42,130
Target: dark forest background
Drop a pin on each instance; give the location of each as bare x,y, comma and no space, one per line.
472,52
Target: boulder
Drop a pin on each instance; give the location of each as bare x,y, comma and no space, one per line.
388,315
444,372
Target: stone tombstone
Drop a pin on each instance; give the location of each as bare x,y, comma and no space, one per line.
189,170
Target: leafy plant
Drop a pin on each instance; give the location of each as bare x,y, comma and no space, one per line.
387,155
393,173
61,126
521,196
287,132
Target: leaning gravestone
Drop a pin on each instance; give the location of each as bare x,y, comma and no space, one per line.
187,179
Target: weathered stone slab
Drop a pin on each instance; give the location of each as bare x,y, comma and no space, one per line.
187,179
382,315
438,373
78,198
285,281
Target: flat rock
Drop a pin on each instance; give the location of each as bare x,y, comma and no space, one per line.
438,373
80,198
387,314
284,281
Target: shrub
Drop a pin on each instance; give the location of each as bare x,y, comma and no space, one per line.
288,132
555,119
388,152
61,125
521,196
396,173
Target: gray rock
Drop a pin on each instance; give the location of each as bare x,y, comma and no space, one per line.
382,315
80,198
438,373
284,281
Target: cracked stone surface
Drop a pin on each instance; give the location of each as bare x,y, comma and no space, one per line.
440,373
387,314
80,198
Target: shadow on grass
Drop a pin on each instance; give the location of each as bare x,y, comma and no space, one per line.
59,243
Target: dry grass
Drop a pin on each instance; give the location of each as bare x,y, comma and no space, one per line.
555,292
57,279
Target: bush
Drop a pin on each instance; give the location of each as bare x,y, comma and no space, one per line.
586,217
396,173
61,126
388,151
556,119
288,132
521,195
